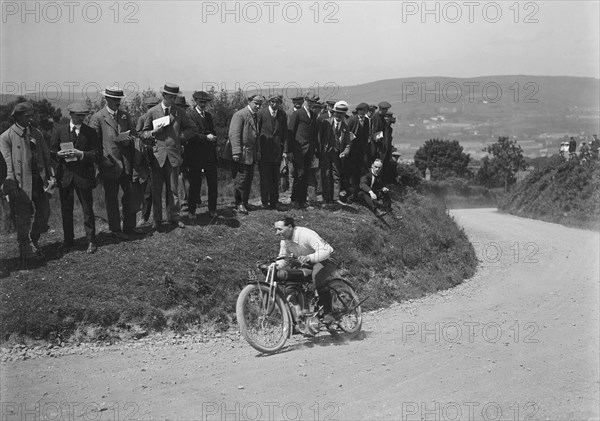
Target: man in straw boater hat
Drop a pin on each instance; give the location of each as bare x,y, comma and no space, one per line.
337,144
243,135
116,133
28,174
76,148
201,155
302,148
167,135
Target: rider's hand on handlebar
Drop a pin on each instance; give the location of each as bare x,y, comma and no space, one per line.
303,259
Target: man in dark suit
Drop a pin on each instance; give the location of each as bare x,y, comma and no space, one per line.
167,137
303,148
244,130
77,150
373,192
381,143
146,185
337,145
273,135
359,159
200,155
116,164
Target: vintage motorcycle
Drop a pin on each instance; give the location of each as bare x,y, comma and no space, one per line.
270,311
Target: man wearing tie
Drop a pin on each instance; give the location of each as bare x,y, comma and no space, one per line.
167,137
200,155
337,145
273,135
146,185
77,149
359,160
28,174
116,133
303,148
244,130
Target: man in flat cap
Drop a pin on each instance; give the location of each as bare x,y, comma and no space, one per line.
201,155
381,143
146,185
359,159
327,111
116,132
302,148
244,130
167,126
28,174
271,143
76,148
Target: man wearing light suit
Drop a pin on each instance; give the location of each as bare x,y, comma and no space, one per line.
116,164
167,139
243,135
337,144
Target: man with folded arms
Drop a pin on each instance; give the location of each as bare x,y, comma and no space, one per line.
28,174
116,164
167,136
76,148
273,135
244,130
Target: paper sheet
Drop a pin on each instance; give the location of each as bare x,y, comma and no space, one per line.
165,121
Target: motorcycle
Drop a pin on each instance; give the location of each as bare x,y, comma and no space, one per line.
285,303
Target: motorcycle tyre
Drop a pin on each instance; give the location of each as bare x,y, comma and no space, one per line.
344,289
279,306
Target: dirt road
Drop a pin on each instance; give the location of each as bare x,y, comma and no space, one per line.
518,341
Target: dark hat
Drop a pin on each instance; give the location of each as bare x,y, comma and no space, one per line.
298,97
311,97
78,108
384,104
21,107
113,92
180,101
201,96
151,101
170,88
259,99
275,98
372,107
331,102
389,114
362,106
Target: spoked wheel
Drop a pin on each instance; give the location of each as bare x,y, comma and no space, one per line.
346,309
265,326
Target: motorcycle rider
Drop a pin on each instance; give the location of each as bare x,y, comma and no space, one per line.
310,250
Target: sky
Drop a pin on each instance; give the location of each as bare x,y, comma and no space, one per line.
74,46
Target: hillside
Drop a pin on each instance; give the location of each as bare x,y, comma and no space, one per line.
565,192
188,279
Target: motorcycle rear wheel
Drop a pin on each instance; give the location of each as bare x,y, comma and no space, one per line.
266,329
347,313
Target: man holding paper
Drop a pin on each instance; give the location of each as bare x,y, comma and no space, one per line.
116,132
167,126
76,148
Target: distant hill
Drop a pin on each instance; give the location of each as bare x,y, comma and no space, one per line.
538,110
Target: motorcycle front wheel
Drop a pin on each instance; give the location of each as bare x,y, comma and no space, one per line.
346,311
266,326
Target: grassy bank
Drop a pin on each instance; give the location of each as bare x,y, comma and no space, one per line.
564,192
189,279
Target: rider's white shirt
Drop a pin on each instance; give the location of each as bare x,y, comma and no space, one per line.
305,242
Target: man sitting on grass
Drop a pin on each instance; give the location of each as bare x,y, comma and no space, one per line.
372,191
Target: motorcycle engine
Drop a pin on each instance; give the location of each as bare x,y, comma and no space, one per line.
312,325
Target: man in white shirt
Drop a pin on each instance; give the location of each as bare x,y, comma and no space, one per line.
310,249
